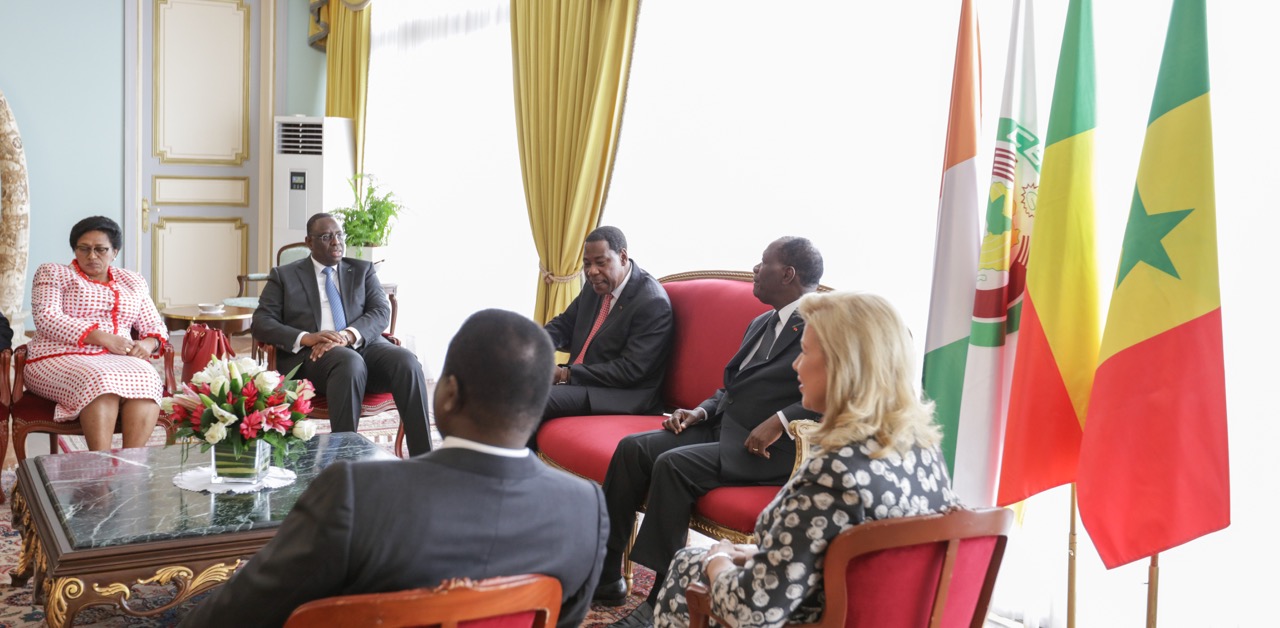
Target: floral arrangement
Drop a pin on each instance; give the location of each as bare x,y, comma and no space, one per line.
235,402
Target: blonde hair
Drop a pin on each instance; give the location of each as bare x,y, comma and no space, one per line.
871,389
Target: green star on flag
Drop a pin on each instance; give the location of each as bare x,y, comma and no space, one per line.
1142,239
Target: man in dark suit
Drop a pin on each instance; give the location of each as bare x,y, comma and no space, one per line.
618,336
731,439
479,506
327,313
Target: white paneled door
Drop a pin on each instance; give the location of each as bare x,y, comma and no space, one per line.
193,112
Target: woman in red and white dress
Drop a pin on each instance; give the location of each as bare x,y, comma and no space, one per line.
83,356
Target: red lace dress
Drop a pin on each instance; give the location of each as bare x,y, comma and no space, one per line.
67,305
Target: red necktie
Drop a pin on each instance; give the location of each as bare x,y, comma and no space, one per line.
595,327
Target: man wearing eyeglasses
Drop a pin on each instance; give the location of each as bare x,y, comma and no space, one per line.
326,313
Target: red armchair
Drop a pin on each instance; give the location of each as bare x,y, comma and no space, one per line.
711,310
373,403
33,413
939,570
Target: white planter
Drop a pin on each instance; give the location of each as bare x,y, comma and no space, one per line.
375,254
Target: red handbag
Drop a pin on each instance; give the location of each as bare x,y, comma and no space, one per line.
201,344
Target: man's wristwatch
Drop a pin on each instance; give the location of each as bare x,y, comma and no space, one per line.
347,333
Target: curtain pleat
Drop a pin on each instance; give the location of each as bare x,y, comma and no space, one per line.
570,62
347,69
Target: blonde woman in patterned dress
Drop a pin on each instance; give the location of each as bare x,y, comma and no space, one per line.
876,456
83,356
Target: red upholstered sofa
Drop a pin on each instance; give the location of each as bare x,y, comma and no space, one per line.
711,310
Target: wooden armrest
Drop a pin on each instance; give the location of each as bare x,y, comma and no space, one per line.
269,350
5,357
244,280
170,382
699,604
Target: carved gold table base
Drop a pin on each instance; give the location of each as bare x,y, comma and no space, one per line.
29,554
66,596
69,595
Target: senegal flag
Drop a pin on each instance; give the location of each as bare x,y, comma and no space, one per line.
1058,339
1153,465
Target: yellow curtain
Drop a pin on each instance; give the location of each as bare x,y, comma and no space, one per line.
571,59
347,75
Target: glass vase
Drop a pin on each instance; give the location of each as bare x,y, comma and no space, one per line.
248,467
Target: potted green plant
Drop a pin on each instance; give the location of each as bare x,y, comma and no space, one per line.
368,222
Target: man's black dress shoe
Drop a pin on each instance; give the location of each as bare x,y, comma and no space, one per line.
611,593
642,617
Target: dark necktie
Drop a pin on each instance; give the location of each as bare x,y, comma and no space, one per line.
595,327
767,339
335,300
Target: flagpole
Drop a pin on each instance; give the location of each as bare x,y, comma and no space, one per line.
1071,563
1153,589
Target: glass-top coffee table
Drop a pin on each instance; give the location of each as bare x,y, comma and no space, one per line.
95,524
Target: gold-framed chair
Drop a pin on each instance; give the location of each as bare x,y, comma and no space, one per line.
524,601
938,569
30,412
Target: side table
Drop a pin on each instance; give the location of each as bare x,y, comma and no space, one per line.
231,320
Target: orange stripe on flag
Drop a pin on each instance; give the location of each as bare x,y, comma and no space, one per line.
1040,452
966,101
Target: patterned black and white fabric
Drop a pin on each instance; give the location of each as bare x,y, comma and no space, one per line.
827,495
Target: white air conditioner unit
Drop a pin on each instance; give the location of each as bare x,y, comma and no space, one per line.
314,162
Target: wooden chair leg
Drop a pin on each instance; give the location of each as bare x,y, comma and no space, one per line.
628,567
19,445
53,443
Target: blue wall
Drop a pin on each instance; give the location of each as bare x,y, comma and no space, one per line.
62,71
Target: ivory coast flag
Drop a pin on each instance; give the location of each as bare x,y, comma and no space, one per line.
956,245
1153,464
1002,271
1058,339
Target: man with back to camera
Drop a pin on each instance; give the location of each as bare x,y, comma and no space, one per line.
731,439
327,313
479,506
618,336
